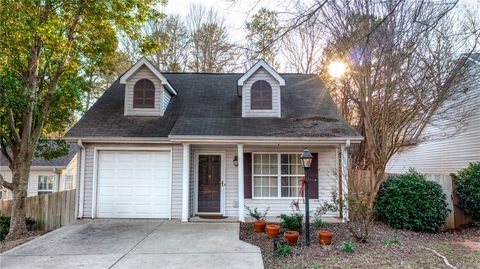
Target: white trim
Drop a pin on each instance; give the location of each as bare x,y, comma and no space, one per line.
255,67
81,199
344,161
143,61
95,172
241,194
223,158
185,182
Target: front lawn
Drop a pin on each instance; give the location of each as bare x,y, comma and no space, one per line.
386,248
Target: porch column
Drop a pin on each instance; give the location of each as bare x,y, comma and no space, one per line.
241,197
344,186
186,182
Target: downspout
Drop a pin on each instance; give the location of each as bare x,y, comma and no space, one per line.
79,198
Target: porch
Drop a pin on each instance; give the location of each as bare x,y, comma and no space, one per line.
211,171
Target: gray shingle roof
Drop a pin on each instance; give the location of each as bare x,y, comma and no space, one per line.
207,104
58,162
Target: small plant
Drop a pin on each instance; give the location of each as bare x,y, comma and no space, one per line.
316,265
30,222
283,251
348,246
318,223
257,215
292,222
392,242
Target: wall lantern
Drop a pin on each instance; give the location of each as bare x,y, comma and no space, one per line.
235,161
306,159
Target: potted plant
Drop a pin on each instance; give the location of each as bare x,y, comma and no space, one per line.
259,218
293,225
272,230
325,237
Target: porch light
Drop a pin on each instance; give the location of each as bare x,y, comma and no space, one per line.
235,161
306,159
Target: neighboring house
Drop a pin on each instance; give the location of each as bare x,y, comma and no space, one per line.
443,156
178,145
46,176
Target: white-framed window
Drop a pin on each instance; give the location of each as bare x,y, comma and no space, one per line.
276,175
69,182
45,184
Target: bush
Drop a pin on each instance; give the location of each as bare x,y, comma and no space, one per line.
468,190
360,216
257,215
410,201
4,226
292,222
319,223
283,251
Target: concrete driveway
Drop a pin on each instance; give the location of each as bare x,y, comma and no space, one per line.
136,244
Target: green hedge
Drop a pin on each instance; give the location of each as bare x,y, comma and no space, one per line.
412,202
468,190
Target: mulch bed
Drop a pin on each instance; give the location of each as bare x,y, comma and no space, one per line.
373,254
6,245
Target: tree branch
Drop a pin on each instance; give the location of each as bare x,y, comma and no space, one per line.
5,183
11,123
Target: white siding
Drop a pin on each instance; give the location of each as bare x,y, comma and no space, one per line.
70,170
261,74
141,73
447,155
327,171
32,185
166,100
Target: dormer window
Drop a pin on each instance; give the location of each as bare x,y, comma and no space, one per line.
261,95
144,94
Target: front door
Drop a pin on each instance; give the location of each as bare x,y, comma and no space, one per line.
209,183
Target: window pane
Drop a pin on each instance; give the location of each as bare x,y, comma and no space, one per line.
257,169
257,191
290,186
257,181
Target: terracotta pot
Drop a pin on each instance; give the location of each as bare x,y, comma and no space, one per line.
292,237
273,230
259,226
325,237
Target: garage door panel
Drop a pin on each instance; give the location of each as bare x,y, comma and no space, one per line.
133,184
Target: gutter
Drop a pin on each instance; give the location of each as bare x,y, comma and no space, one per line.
79,198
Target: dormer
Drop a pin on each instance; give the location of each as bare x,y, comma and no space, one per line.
147,91
261,94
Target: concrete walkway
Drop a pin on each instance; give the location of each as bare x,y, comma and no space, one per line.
138,244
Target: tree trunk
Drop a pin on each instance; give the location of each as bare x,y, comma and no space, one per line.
18,228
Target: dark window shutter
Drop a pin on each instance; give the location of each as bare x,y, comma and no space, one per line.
313,178
261,95
247,175
144,94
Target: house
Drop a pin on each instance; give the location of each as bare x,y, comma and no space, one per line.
180,145
446,151
46,176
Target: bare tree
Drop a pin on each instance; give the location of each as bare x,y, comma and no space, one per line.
406,66
172,35
210,50
303,47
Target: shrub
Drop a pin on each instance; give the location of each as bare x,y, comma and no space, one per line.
468,190
348,246
257,215
292,222
410,201
4,226
361,217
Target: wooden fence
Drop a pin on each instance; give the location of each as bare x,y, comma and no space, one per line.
358,183
49,211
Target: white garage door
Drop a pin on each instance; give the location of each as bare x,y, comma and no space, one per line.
133,184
